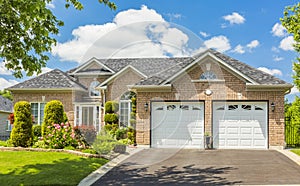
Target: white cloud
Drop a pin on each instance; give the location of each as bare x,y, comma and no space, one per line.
275,49
278,30
294,90
234,18
132,33
278,58
287,43
7,83
50,5
204,34
239,49
270,71
220,43
253,44
3,70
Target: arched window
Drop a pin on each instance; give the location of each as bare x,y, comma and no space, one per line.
92,89
208,75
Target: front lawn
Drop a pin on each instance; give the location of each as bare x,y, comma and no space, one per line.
45,168
296,151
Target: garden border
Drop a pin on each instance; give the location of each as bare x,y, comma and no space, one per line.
108,157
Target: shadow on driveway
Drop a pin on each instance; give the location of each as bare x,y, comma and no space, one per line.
199,167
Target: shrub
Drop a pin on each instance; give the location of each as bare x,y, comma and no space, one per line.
125,141
21,134
111,107
54,113
60,136
104,144
85,135
111,118
111,129
37,130
3,144
89,151
39,144
121,133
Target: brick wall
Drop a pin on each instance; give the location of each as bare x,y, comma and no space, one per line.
65,97
231,88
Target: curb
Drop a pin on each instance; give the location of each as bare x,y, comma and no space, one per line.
94,176
294,157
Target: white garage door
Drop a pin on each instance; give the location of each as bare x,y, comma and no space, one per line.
240,125
177,124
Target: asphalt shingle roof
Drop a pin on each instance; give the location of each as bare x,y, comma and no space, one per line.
253,73
157,70
54,79
5,104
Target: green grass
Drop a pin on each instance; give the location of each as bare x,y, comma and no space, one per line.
296,151
45,168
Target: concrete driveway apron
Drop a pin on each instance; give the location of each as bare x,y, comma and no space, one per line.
199,167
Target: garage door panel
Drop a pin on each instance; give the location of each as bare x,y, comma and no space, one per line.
179,125
240,125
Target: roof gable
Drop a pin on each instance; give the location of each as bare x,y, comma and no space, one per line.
92,67
121,72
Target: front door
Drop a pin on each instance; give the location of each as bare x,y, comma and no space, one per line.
88,115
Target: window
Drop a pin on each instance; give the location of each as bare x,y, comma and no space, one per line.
124,115
8,126
232,107
246,107
125,108
208,75
37,111
93,91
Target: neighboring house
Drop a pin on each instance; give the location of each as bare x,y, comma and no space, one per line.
178,99
6,108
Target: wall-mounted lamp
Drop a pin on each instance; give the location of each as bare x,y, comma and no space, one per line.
208,92
273,106
146,107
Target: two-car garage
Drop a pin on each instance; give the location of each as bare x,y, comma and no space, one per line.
235,125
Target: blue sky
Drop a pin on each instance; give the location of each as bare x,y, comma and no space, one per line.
247,30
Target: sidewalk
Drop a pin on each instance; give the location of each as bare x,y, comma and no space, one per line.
94,176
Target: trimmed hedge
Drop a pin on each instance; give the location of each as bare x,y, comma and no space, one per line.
54,114
111,107
21,134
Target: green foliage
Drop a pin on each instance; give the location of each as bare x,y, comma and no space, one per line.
104,144
121,133
60,136
21,134
111,118
125,141
65,118
7,94
85,135
39,144
111,107
54,114
30,29
37,130
89,151
69,148
291,21
111,129
3,144
293,112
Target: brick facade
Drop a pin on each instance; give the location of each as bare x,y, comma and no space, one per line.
231,88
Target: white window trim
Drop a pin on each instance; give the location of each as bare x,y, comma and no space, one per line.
78,119
129,111
8,126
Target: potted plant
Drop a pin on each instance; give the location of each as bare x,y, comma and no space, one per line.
207,140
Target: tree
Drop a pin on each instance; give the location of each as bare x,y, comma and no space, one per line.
27,33
7,94
21,134
291,21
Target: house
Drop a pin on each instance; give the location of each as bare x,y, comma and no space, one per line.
179,100
6,108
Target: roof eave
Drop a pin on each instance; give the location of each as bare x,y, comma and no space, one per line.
151,88
268,87
44,89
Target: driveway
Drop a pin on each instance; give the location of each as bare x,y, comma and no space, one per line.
210,167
